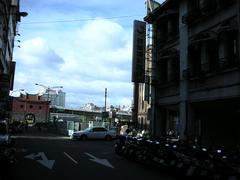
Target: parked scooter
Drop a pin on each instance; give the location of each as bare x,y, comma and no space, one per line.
186,160
7,152
7,162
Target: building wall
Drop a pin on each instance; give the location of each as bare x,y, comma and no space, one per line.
22,106
143,106
57,99
8,19
144,90
197,80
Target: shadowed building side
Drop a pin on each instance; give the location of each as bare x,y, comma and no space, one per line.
196,74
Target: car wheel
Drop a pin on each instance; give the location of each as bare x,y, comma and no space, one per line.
84,137
108,138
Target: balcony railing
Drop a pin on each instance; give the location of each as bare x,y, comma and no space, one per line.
207,8
222,65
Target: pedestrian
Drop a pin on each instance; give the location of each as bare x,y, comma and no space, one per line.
39,127
26,125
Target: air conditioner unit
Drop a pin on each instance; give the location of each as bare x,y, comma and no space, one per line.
15,2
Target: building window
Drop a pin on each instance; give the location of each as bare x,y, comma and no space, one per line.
193,5
232,48
175,72
209,62
40,107
172,27
207,5
31,106
21,106
194,60
228,53
162,70
162,32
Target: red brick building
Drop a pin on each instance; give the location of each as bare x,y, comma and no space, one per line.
31,107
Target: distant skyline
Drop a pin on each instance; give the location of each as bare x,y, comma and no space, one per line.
84,46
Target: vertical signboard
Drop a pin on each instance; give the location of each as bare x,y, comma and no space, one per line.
139,47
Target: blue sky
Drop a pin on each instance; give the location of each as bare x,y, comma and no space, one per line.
88,51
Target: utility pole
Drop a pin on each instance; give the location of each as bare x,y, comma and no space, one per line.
105,99
104,112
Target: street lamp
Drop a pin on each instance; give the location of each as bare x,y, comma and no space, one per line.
23,14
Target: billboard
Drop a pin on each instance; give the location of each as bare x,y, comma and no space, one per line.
139,48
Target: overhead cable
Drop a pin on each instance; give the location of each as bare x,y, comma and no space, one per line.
77,20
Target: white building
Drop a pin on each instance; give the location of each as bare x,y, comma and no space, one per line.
57,98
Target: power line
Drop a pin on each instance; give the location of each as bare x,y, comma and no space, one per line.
77,20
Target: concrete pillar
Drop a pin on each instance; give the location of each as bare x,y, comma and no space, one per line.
183,29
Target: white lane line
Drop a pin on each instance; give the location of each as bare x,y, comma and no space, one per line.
66,154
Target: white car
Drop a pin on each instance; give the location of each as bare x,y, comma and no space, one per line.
95,132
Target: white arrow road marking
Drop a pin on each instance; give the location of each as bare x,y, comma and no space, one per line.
66,154
21,150
44,161
99,161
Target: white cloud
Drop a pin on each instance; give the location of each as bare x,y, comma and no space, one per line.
95,56
100,35
103,51
36,53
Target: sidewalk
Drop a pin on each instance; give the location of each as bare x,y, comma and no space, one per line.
34,133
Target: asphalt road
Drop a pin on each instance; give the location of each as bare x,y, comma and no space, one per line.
48,157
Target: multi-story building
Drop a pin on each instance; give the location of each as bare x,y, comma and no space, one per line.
144,90
195,75
9,17
57,98
31,107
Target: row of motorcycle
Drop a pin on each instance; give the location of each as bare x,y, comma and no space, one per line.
7,152
185,160
7,162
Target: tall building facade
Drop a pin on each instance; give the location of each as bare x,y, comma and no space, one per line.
195,79
9,17
56,98
142,71
144,91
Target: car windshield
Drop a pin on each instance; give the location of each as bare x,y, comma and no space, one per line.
3,128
